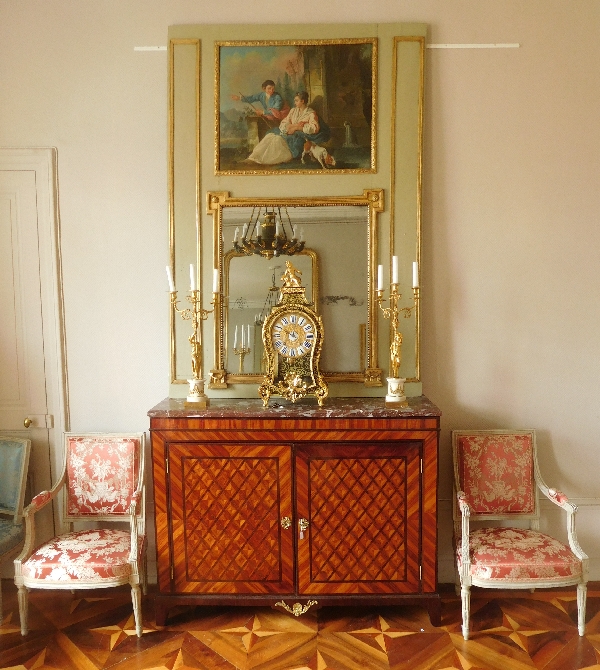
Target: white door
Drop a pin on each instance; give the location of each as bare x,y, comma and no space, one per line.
32,371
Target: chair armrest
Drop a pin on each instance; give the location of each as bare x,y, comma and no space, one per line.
463,504
465,512
135,501
557,497
37,503
561,500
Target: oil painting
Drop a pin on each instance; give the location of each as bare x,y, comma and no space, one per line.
295,106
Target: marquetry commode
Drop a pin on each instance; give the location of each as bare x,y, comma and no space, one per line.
296,506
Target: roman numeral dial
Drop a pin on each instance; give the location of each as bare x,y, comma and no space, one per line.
293,335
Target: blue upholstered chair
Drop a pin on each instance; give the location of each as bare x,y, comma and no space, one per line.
14,459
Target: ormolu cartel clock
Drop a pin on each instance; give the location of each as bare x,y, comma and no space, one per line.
293,337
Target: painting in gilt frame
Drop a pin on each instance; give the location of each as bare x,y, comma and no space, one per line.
295,107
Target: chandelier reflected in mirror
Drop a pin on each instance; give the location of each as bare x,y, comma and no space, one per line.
273,236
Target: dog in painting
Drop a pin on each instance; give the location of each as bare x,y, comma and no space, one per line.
319,153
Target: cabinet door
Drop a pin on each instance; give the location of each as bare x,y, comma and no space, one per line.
227,503
362,503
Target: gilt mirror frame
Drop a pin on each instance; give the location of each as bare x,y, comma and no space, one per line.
373,201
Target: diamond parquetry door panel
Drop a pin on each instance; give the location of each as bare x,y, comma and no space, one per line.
362,504
227,506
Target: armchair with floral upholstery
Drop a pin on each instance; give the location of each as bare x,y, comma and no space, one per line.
14,460
497,478
102,481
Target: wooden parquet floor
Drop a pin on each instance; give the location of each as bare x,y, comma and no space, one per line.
511,631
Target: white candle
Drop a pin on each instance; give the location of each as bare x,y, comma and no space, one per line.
235,339
294,231
244,231
192,278
415,274
215,281
277,228
248,342
170,279
394,269
243,337
301,234
380,277
237,232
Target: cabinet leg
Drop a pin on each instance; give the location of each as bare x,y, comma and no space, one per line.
160,614
434,607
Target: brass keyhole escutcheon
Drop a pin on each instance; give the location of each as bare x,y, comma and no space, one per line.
286,522
27,422
302,525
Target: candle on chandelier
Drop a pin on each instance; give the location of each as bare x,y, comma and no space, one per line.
237,232
415,274
192,278
380,277
215,280
170,279
235,339
248,342
394,269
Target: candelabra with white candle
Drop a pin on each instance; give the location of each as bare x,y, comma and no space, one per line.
196,314
244,349
395,396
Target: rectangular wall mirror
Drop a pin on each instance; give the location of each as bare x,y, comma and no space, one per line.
333,242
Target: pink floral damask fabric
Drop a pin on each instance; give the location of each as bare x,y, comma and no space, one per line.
496,473
40,499
90,555
102,475
515,554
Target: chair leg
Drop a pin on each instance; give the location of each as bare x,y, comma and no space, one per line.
145,575
581,601
465,594
136,598
23,607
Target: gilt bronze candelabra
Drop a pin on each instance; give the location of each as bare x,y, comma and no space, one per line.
395,396
196,397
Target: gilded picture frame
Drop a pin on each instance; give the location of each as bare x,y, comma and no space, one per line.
296,106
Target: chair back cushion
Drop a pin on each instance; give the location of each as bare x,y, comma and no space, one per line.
102,474
496,472
14,457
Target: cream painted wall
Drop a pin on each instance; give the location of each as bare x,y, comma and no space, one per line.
511,234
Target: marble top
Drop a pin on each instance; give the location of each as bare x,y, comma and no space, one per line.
306,408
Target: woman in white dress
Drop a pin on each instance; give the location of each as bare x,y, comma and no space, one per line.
283,144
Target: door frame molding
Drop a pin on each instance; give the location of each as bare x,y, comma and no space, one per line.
43,162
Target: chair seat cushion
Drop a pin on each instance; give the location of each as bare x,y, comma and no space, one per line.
516,554
10,535
91,556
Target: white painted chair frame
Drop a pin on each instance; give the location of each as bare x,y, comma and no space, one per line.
462,516
16,513
136,519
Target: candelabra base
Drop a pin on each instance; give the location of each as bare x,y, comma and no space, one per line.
201,403
196,398
395,396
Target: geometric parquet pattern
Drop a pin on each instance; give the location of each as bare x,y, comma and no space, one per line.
510,631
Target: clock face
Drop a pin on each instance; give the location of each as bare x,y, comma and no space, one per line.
293,335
